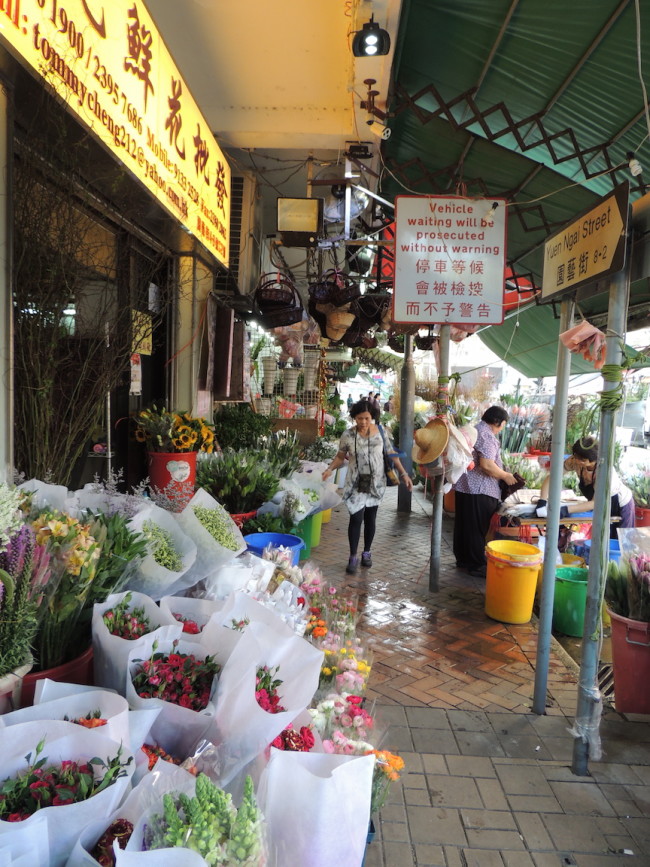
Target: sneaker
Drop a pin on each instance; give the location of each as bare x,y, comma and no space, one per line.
366,559
352,566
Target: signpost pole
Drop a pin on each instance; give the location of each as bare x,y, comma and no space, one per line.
436,515
407,402
589,697
553,520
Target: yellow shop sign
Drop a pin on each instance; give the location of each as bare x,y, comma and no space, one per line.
110,65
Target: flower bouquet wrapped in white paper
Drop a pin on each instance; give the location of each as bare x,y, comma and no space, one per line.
179,678
119,624
57,778
171,554
269,679
97,838
192,614
217,537
234,575
207,823
45,495
317,807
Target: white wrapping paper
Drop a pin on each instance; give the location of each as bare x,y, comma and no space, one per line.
198,610
60,826
110,652
243,728
154,580
209,553
317,807
147,794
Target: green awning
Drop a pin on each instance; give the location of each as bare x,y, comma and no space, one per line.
528,342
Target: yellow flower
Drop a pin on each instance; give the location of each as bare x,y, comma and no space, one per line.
140,435
327,672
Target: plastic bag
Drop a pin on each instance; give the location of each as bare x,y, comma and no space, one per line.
235,575
317,807
148,793
151,578
177,729
60,826
197,611
210,554
243,728
49,496
110,652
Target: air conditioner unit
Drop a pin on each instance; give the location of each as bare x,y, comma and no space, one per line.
245,229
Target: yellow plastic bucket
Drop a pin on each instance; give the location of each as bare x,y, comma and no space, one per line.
511,580
573,560
327,516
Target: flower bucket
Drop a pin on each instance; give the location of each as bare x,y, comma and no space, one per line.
631,663
77,670
290,380
326,516
316,527
570,600
511,580
11,687
257,542
642,516
306,531
173,473
242,517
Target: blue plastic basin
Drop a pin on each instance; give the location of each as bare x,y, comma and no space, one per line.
257,542
614,550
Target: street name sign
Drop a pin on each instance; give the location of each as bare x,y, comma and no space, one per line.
590,248
449,260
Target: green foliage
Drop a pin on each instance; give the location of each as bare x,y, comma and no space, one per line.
321,449
334,431
419,421
238,480
280,452
639,484
627,587
237,426
530,471
268,524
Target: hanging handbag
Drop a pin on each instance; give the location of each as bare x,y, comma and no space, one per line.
392,478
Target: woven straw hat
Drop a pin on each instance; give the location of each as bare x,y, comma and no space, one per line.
430,441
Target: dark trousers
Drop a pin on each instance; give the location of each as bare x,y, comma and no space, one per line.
471,524
368,517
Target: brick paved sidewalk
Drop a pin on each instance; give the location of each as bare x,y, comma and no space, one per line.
488,782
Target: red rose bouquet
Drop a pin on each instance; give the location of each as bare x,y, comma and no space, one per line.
266,689
295,740
180,678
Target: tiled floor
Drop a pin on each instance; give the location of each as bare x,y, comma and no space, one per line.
488,782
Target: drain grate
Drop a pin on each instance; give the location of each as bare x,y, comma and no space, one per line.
606,681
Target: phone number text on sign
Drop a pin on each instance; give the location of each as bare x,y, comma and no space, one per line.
449,260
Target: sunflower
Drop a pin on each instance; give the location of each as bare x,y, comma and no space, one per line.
141,435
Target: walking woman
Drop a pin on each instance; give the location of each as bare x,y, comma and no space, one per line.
478,494
365,483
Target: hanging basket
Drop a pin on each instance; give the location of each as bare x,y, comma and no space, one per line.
334,287
425,341
277,302
396,342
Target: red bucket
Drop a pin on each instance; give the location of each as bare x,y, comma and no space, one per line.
173,474
77,670
631,663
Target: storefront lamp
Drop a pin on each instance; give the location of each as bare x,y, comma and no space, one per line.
371,40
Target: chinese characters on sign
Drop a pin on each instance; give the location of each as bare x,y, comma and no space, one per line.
449,260
109,64
589,248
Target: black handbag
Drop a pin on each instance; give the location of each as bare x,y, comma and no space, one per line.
507,490
392,478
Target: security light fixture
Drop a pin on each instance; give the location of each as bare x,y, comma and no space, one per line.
371,40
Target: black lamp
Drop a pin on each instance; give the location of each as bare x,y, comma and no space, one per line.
371,40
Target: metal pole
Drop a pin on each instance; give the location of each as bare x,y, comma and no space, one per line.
436,514
589,697
406,412
553,520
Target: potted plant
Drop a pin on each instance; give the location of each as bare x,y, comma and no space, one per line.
639,484
238,480
172,440
627,593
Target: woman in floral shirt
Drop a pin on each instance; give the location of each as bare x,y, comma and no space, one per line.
365,483
478,495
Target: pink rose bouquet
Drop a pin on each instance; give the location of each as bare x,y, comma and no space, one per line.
179,678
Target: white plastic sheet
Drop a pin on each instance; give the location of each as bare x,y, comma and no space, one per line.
59,826
110,652
210,554
154,580
317,807
198,610
243,728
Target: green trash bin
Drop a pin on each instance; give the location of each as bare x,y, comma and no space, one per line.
305,530
316,527
570,600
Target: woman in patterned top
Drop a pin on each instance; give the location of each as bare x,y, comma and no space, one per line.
363,445
478,495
